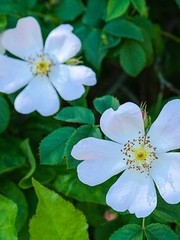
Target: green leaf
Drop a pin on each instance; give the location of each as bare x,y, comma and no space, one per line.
11,157
178,3
94,41
128,232
124,28
25,182
157,231
80,133
56,218
147,31
93,6
3,22
76,114
12,192
8,210
109,41
116,8
140,6
167,212
132,58
69,10
101,104
69,184
52,147
4,114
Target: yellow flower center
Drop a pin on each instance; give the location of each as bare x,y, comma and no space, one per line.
141,154
43,67
41,64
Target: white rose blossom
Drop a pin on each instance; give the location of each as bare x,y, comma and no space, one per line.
146,158
42,69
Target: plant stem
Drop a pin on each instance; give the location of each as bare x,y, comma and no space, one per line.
143,228
170,36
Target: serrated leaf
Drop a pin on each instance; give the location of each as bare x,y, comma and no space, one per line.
101,104
13,193
56,218
132,58
94,41
52,147
157,231
124,28
76,114
80,133
140,6
116,8
25,182
8,210
128,232
68,10
4,114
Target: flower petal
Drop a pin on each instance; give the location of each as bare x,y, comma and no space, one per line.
25,39
165,172
14,74
38,95
81,74
165,131
126,123
66,87
103,160
62,43
133,191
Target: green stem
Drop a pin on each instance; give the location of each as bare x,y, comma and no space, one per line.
143,227
170,36
143,223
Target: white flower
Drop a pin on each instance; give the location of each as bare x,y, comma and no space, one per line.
145,158
42,69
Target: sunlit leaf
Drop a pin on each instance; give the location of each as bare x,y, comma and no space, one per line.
56,217
8,210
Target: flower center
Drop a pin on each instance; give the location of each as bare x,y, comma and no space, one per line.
139,154
41,64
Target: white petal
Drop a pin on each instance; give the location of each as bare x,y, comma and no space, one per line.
66,87
133,191
165,131
103,160
2,50
62,43
38,95
25,39
81,74
14,74
166,174
126,123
